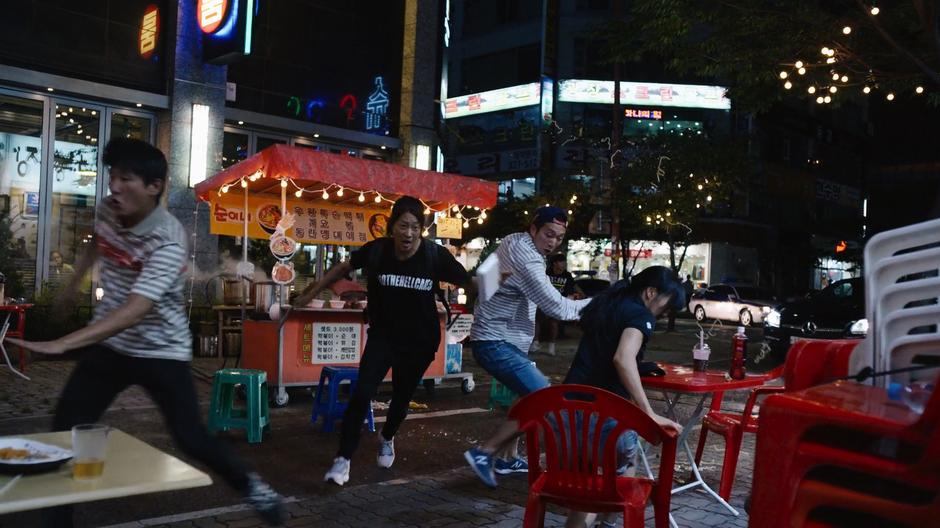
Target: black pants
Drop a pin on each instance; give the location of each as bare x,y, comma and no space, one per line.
407,364
102,374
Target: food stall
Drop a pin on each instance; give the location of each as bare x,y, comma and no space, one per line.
292,196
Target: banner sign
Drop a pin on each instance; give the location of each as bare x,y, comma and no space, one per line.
493,100
315,224
644,93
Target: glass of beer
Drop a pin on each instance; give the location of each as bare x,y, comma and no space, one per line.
89,443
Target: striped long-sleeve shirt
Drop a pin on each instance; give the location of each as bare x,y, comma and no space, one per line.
148,259
509,315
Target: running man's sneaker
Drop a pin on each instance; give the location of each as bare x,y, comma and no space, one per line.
481,463
266,502
513,465
339,473
386,452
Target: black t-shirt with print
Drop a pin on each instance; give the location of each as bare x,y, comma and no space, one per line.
564,282
594,361
402,302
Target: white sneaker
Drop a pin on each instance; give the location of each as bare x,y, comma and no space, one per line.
339,473
386,452
534,347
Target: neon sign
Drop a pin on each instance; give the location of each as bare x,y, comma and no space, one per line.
636,113
149,29
211,13
377,107
350,104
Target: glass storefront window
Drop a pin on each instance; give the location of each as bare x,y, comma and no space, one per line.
234,148
74,186
21,122
131,127
265,142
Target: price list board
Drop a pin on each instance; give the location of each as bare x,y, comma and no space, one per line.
332,343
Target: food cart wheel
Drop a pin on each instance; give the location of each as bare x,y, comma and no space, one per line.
467,385
281,397
429,387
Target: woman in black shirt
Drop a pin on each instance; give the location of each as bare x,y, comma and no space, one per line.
404,330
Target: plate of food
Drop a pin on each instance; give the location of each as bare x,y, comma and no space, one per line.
19,456
268,216
282,247
283,273
378,225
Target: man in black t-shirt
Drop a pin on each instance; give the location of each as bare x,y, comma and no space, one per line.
404,323
563,281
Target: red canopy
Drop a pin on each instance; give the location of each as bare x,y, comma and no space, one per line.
313,170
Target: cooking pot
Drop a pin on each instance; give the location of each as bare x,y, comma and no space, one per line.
234,289
266,294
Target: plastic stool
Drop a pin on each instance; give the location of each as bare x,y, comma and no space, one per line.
332,409
501,395
253,418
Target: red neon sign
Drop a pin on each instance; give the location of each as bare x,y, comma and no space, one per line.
210,14
149,29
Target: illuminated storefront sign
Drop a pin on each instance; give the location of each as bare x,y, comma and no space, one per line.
639,93
227,27
637,113
149,30
548,99
492,101
377,107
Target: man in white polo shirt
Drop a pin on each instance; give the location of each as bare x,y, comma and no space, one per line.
139,334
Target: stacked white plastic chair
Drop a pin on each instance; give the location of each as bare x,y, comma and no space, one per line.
902,290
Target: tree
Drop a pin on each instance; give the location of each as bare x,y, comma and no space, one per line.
765,50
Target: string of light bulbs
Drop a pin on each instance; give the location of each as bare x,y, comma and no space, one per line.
825,86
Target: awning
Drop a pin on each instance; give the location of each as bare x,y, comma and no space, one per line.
311,170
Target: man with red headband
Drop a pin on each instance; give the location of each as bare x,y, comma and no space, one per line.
504,325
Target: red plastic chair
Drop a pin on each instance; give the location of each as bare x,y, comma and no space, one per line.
808,363
579,475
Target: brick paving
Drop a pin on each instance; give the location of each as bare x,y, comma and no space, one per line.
450,497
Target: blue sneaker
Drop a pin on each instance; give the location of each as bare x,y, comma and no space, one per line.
481,463
513,465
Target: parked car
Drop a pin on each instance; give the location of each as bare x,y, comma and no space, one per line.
836,312
744,304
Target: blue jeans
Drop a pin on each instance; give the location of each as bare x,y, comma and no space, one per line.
509,365
627,444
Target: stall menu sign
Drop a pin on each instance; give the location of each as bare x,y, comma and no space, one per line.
335,343
315,223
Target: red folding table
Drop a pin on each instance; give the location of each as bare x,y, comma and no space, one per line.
680,380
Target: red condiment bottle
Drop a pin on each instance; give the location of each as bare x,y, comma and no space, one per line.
738,355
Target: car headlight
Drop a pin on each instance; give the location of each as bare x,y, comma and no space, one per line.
772,319
859,327
765,310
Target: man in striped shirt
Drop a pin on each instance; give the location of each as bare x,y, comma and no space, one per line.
504,326
139,334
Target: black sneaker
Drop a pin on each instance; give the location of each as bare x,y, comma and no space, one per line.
266,502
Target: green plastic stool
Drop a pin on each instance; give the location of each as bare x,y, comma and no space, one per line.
253,418
501,395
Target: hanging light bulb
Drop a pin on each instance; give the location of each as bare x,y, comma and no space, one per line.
833,89
670,202
845,78
919,89
283,184
525,213
866,89
827,99
640,207
325,195
819,99
846,30
801,71
799,64
831,60
466,224
875,10
480,220
244,184
832,52
708,198
783,75
648,219
427,211
700,186
299,193
835,76
788,85
362,197
458,216
697,206
890,97
340,192
455,208
574,197
811,89
225,188
824,50
483,214
570,212
378,198
425,233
